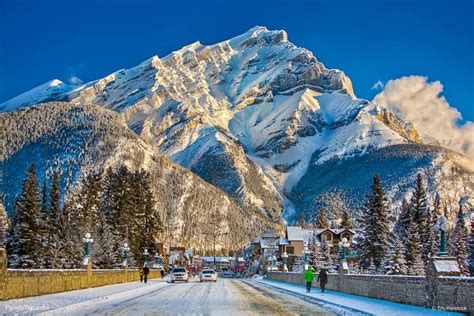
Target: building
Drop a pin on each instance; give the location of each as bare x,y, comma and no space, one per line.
296,238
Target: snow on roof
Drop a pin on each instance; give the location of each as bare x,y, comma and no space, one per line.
296,233
267,243
336,231
283,241
218,259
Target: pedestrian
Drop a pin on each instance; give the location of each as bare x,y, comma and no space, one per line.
146,271
141,275
323,279
308,276
162,273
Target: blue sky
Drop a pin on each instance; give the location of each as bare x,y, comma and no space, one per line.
368,40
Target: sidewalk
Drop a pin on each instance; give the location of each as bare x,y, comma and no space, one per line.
49,302
358,304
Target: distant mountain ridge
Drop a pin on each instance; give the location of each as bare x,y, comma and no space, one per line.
257,117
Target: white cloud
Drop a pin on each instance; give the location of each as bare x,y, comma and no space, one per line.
75,81
416,100
378,85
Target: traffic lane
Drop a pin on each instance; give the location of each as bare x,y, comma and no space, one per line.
263,300
226,296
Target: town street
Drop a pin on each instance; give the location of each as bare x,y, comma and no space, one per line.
227,296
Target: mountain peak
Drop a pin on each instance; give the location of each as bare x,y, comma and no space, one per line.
48,91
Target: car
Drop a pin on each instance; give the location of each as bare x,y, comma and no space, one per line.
208,275
179,274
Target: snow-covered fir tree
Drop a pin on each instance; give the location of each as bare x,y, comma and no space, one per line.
302,221
419,215
397,264
317,257
53,224
414,258
431,245
403,221
460,241
346,220
371,268
471,258
106,255
3,226
373,242
321,220
25,247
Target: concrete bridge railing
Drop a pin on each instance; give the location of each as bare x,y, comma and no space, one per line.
18,283
451,293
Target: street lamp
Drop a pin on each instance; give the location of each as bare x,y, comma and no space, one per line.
125,249
285,261
343,244
87,247
442,226
145,256
306,253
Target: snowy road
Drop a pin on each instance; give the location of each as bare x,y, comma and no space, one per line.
226,297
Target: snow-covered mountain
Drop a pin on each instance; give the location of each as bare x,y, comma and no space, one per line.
254,115
77,139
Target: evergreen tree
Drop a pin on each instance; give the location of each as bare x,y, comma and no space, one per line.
414,259
54,222
374,241
26,244
317,257
322,221
397,264
105,256
403,221
419,214
88,203
3,226
471,261
371,269
346,222
431,244
69,254
459,241
302,219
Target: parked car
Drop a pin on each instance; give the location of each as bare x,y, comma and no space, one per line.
208,275
179,274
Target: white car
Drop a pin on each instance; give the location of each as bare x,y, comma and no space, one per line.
179,274
208,275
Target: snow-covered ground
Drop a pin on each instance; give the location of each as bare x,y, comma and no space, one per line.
333,299
226,297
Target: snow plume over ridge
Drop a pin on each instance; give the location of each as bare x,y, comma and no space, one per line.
420,102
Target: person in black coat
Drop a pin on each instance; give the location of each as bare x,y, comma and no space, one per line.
146,271
323,279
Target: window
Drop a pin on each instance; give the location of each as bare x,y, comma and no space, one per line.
290,250
328,236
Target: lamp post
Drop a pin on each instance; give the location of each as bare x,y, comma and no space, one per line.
285,261
306,253
442,226
145,257
87,248
87,241
343,244
125,249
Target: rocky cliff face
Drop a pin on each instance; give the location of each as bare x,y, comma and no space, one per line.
251,115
